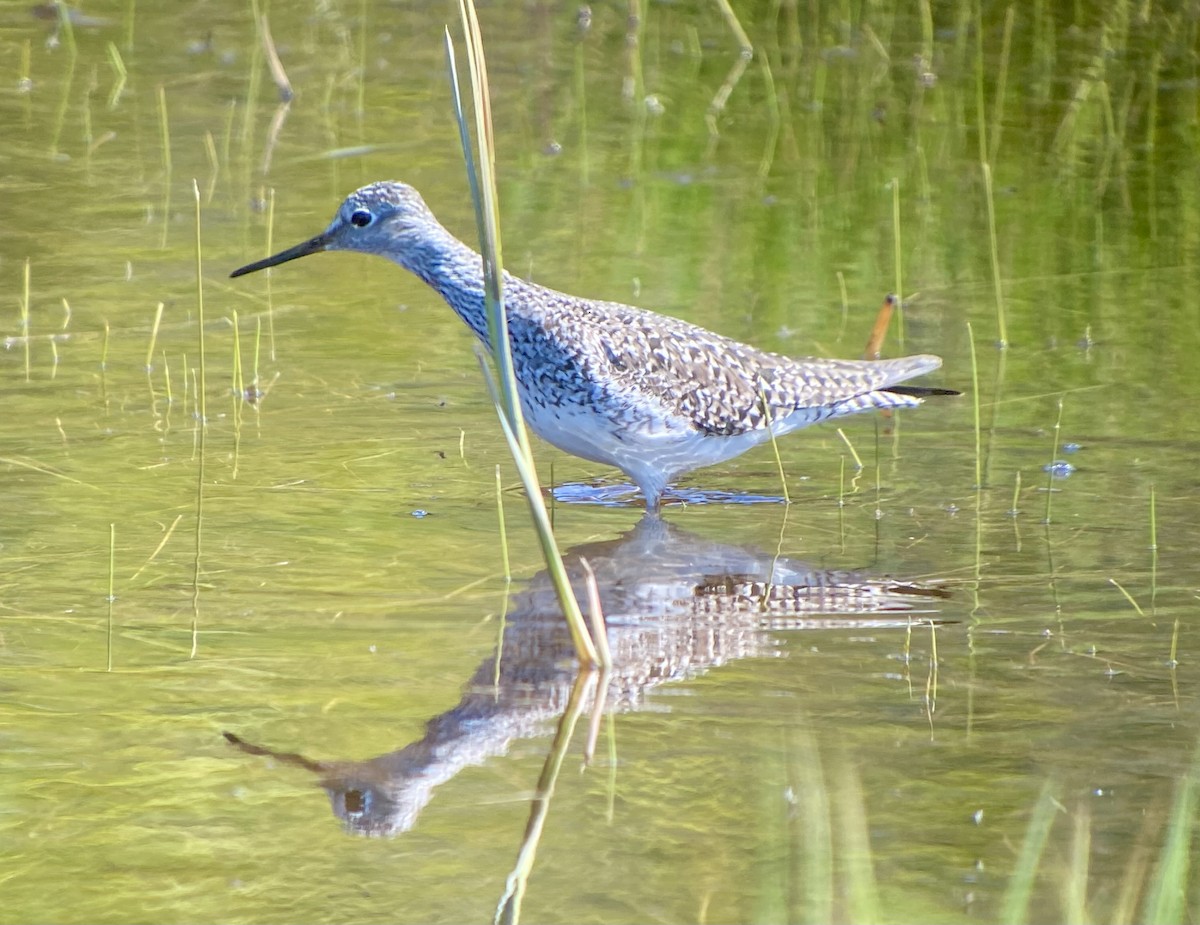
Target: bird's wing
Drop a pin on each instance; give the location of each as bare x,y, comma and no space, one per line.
714,382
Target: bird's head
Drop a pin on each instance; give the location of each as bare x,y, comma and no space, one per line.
387,218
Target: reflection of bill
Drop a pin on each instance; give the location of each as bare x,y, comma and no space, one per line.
675,605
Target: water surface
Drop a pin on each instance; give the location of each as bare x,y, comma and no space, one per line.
345,586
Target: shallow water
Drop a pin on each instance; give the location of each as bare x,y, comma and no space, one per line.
760,760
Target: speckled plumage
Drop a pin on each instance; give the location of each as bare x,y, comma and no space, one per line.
652,395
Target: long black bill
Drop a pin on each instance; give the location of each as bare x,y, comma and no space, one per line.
311,246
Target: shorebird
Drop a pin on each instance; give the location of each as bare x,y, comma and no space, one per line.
652,395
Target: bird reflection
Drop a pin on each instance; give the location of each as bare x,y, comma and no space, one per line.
675,605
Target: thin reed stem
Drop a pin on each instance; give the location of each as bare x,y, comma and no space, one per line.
503,530
1053,458
158,313
1001,325
112,594
504,387
898,256
202,428
975,402
787,498
25,325
858,463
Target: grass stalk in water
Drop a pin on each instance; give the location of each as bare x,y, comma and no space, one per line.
158,313
1001,325
787,498
202,427
164,129
503,529
1166,900
112,556
25,315
504,390
1053,459
858,463
1015,907
1001,84
898,256
975,402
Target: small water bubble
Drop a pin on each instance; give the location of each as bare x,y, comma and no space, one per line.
420,513
977,817
1072,447
1059,469
654,105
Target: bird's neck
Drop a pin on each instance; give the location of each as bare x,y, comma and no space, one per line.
455,270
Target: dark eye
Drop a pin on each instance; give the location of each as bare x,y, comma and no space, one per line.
361,218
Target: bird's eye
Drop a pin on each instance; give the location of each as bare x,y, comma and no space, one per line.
361,218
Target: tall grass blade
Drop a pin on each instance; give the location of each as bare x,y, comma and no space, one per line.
787,498
202,428
25,332
112,595
975,401
504,388
1166,901
898,256
580,636
1015,907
